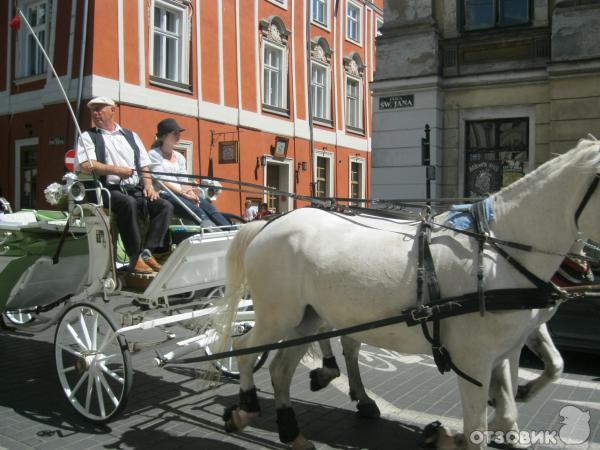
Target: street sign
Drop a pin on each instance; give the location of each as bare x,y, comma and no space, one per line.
70,160
396,102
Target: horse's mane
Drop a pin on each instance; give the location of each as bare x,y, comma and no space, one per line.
585,158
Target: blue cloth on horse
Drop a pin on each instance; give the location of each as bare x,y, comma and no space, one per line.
461,218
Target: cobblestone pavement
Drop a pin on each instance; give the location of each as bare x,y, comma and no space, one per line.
168,408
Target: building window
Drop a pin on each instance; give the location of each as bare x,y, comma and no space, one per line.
320,91
356,179
483,14
170,42
273,76
28,177
353,103
282,3
319,12
31,59
353,22
322,174
274,62
497,153
378,25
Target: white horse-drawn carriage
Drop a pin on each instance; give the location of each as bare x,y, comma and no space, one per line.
61,268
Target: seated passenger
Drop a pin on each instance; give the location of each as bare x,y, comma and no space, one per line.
165,159
118,156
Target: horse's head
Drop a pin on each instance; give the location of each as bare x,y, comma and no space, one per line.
587,216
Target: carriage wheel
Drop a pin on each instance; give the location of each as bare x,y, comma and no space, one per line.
18,316
92,362
228,366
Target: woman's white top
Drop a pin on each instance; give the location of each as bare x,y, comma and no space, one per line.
162,164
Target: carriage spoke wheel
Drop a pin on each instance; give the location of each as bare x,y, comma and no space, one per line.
229,366
92,362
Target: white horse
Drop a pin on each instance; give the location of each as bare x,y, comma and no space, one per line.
311,267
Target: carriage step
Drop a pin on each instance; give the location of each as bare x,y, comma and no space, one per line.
137,281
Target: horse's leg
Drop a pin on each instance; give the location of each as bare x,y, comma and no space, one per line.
366,406
501,388
474,404
282,370
238,417
321,377
540,343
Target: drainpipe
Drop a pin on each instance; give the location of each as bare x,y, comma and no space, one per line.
310,100
81,62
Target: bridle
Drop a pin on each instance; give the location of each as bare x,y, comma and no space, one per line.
586,198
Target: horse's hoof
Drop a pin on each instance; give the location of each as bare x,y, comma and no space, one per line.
301,443
318,380
368,410
523,392
430,434
230,426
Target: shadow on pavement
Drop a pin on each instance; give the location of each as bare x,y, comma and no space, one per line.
148,438
336,427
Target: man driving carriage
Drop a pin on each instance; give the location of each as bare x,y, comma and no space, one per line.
118,157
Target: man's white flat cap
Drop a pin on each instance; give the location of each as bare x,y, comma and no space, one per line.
100,101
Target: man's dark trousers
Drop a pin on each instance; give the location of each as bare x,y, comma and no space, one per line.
128,207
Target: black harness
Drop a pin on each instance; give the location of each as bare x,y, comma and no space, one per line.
545,295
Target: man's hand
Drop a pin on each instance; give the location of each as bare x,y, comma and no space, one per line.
190,195
150,193
124,172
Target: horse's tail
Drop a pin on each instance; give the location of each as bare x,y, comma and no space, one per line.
235,284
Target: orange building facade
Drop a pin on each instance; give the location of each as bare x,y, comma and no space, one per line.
238,75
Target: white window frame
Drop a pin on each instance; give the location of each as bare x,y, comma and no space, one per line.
327,89
359,30
330,171
313,20
359,116
183,41
186,148
378,25
281,3
362,184
26,44
283,74
20,143
268,159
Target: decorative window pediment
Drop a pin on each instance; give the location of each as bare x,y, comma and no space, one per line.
353,65
273,29
320,50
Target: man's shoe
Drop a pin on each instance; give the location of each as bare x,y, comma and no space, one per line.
140,267
152,263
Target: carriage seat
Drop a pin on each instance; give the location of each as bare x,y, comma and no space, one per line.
18,218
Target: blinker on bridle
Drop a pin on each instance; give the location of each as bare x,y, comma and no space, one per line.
586,198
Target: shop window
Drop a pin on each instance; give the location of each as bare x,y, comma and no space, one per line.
497,153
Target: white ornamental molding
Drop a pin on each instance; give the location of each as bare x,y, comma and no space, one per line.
353,65
320,50
273,30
